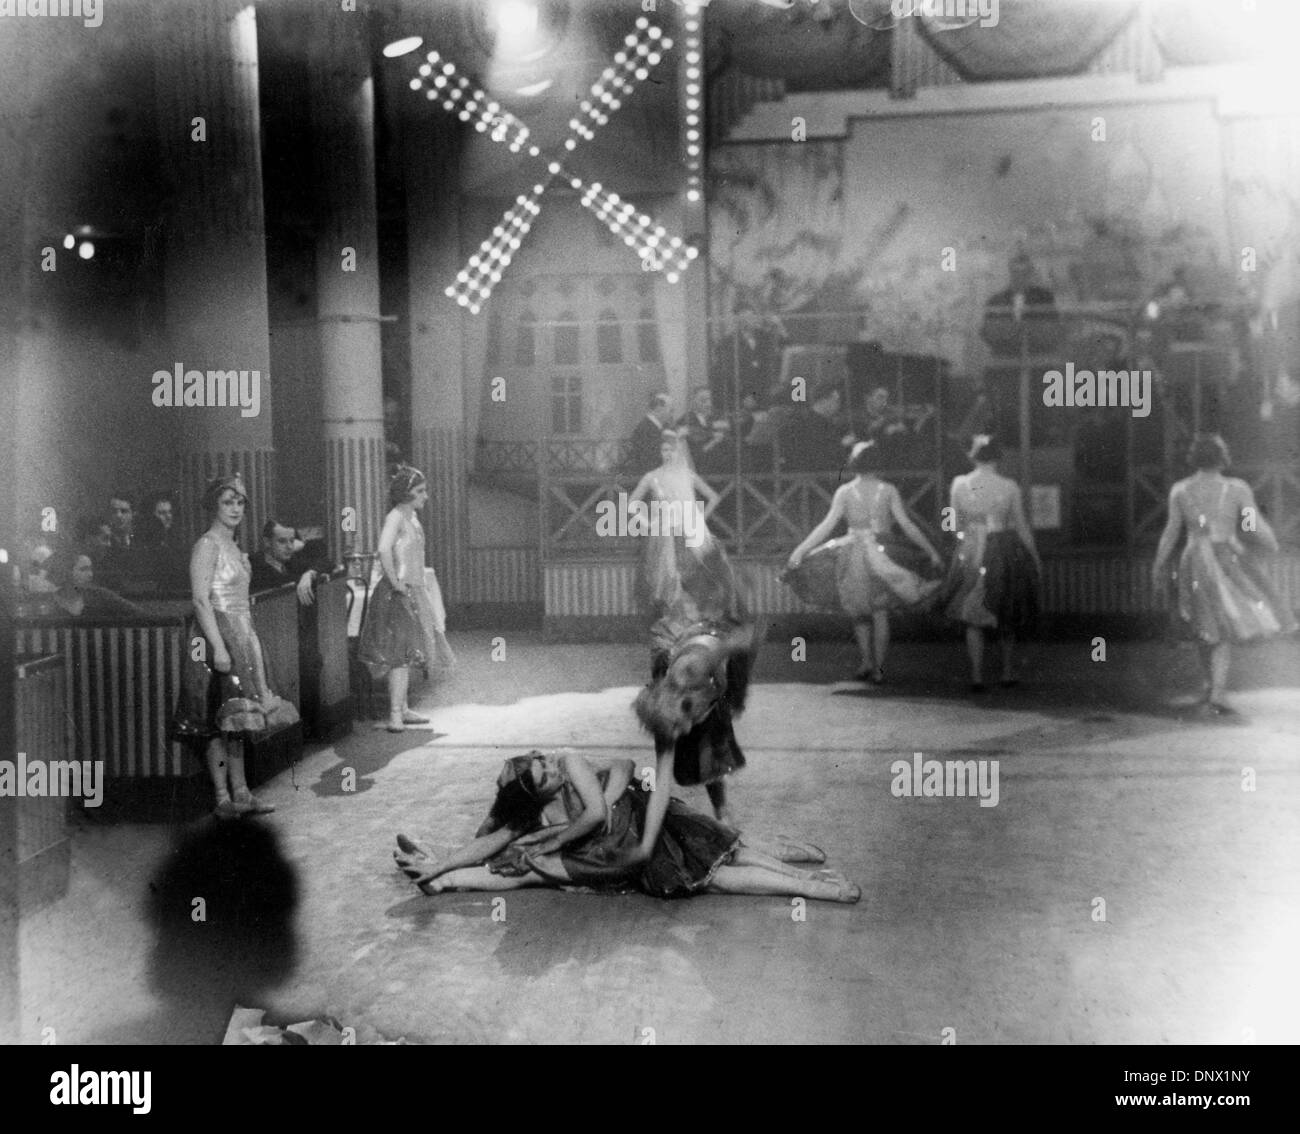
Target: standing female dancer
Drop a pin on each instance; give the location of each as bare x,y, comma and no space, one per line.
1222,597
866,567
994,574
684,570
226,696
569,820
404,622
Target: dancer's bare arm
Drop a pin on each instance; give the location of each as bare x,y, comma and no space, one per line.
821,533
583,778
620,775
203,564
711,498
1168,537
475,853
387,540
1258,526
657,808
907,526
639,492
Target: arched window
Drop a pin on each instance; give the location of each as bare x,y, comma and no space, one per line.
526,340
566,339
647,336
609,337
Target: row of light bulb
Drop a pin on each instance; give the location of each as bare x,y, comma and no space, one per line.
445,85
693,103
648,239
645,49
474,283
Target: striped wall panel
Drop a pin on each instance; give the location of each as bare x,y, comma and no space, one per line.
355,478
501,574
1094,586
121,685
42,735
440,455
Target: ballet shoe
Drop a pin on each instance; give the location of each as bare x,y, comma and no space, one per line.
248,804
409,717
796,850
847,892
877,676
409,846
396,724
226,809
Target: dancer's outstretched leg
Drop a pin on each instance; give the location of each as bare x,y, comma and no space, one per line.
880,643
761,880
786,849
1220,662
862,632
975,649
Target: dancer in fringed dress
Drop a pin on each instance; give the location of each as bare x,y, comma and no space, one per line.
225,695
994,576
1221,595
405,621
870,571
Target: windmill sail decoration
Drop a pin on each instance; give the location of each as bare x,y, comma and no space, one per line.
654,246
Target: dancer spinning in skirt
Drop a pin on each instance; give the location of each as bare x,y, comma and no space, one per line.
870,571
994,575
1221,595
405,621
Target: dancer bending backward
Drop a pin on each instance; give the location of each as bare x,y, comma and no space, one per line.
405,621
702,641
568,820
868,572
1221,595
994,575
225,696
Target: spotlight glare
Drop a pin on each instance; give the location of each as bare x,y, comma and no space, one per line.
85,250
403,47
69,242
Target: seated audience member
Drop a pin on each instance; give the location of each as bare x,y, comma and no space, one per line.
880,419
814,437
163,553
278,562
123,565
93,535
36,579
73,573
708,437
643,444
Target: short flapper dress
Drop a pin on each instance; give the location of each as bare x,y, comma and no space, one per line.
214,704
1222,593
406,630
688,853
685,572
868,570
993,580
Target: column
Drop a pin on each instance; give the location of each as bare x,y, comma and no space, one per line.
214,262
342,99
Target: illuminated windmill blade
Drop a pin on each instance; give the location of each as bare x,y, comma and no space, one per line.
475,281
441,83
642,51
657,250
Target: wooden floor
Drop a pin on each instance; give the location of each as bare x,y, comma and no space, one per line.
986,920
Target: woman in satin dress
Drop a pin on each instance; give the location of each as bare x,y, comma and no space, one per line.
405,621
1221,596
225,694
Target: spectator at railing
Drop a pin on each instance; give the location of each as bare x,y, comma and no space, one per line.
281,561
72,571
36,579
93,535
707,435
124,565
1024,316
164,557
643,444
813,438
748,361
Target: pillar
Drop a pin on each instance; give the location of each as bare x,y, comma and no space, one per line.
214,264
342,100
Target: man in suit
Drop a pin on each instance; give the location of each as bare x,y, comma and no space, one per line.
708,436
643,445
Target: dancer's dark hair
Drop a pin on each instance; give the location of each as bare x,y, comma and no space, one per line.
985,449
403,483
518,805
1208,451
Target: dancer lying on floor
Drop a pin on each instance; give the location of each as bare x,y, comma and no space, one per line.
573,820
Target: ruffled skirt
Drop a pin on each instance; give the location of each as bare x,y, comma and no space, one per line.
1222,595
403,630
237,703
993,582
689,584
863,572
690,849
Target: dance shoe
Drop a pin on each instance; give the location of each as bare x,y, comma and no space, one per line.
249,804
409,717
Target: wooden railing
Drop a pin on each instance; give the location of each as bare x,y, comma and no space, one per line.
42,735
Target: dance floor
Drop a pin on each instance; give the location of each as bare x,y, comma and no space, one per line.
984,920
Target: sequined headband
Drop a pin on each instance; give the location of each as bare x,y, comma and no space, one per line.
404,479
219,485
519,768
